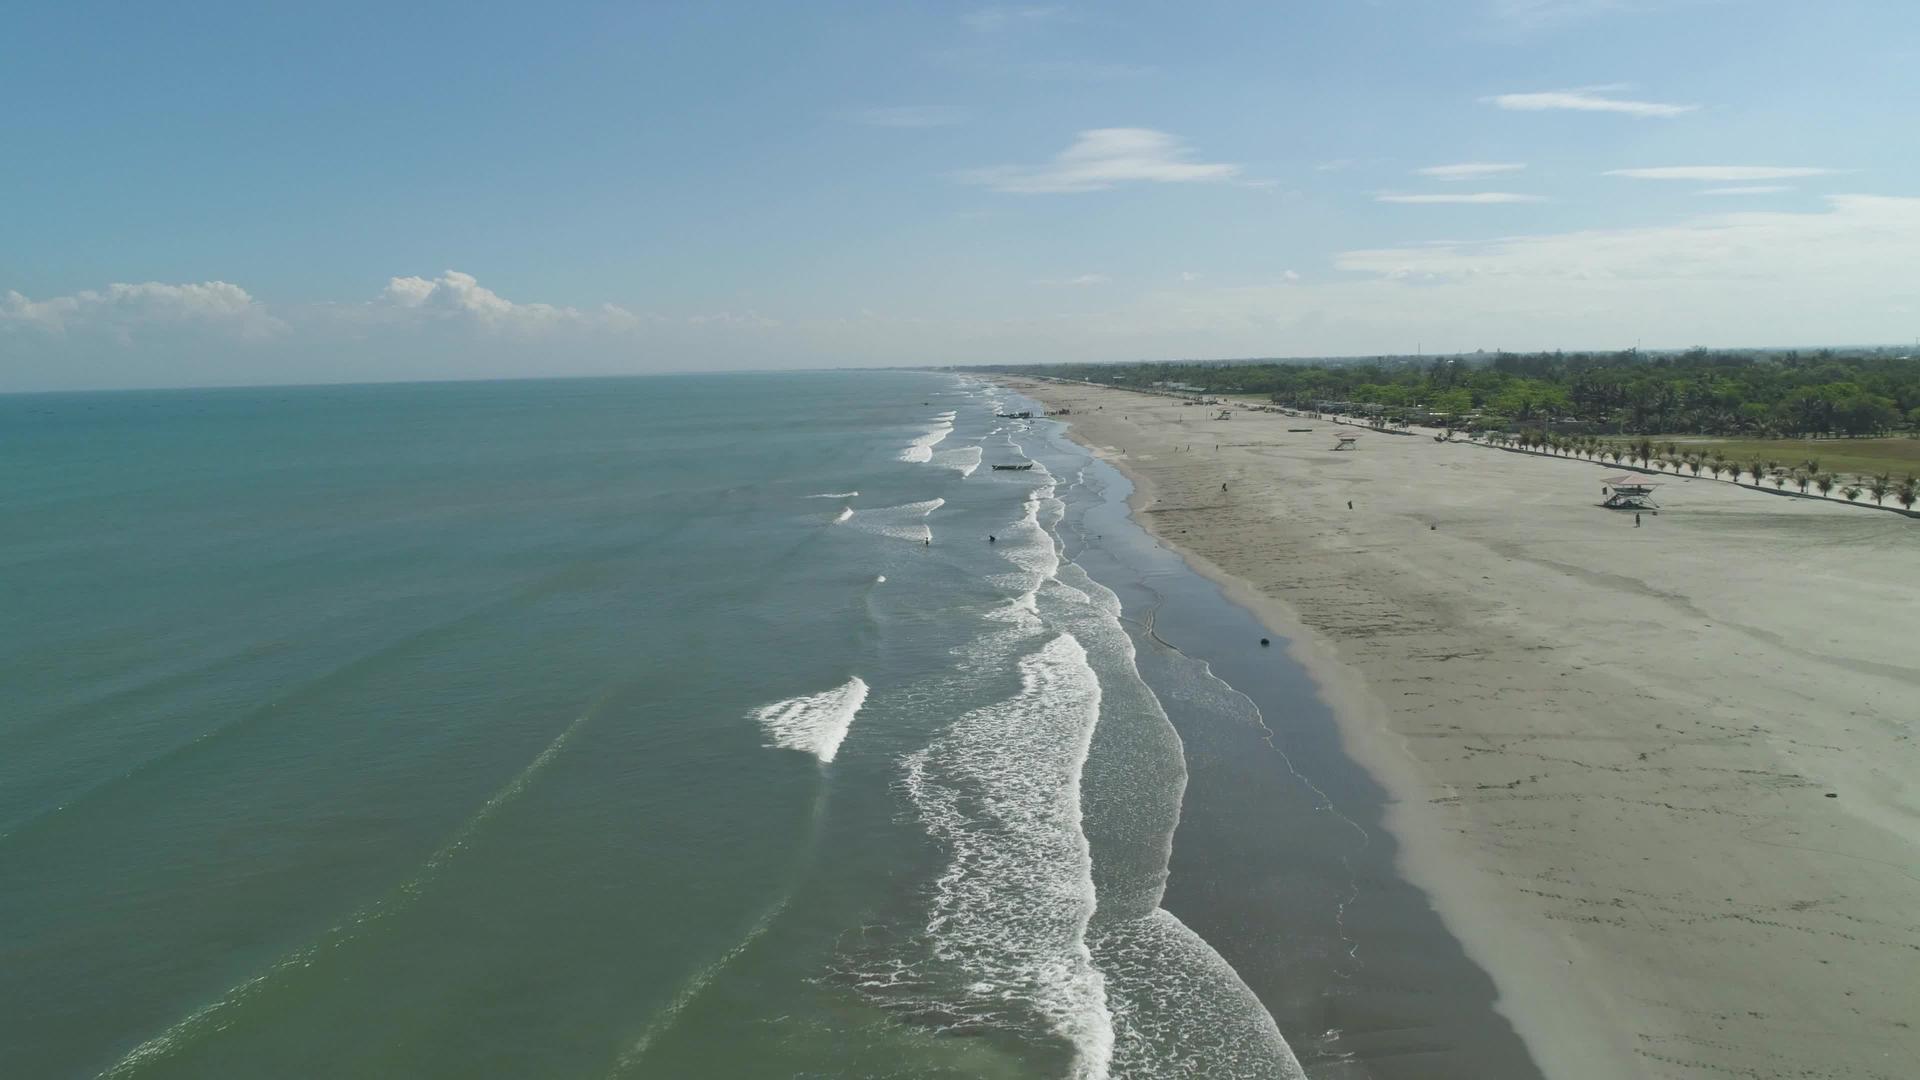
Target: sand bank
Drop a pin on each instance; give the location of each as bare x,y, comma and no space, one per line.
1661,781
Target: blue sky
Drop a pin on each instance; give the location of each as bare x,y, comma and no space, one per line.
227,193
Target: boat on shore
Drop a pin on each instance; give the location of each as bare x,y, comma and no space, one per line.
1013,468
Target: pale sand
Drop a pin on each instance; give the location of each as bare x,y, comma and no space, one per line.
1608,748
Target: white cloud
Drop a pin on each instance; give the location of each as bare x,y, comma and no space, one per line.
1082,279
1724,173
1102,158
126,310
1478,198
1290,275
1793,250
1470,170
1587,99
910,116
1749,189
457,295
1188,275
1840,274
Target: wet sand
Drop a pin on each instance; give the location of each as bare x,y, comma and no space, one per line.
1658,781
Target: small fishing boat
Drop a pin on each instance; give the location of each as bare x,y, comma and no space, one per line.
1013,468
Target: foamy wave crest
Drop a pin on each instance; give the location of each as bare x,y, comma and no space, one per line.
961,459
843,515
904,522
1179,1009
921,449
1001,789
836,495
817,723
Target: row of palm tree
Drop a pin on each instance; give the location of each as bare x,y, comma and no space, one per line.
1668,456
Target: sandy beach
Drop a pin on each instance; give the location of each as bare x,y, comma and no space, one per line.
1658,780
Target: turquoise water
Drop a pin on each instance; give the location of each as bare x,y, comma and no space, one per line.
601,728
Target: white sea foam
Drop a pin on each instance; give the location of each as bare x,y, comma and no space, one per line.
904,522
921,449
843,515
881,580
1179,1009
1002,790
962,459
836,495
816,723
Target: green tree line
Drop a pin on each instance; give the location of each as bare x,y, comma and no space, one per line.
1751,393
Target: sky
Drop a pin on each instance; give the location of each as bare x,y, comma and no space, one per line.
220,194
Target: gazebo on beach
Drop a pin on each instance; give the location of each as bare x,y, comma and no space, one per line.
1627,492
1347,442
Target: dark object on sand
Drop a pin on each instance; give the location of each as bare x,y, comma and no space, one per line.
1013,468
990,538
1264,641
1299,429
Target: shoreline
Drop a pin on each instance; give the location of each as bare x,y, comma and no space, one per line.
1628,928
1286,908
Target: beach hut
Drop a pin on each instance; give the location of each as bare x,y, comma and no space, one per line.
1626,492
1347,442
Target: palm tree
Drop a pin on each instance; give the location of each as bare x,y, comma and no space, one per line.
1812,465
1801,480
1758,470
1908,493
1851,492
1780,481
1824,482
1693,463
1880,487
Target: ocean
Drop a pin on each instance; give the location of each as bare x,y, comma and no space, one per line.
687,726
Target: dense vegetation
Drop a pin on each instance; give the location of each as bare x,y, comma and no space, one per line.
1760,394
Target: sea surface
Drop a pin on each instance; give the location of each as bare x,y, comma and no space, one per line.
744,726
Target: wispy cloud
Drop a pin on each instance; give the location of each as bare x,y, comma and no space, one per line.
1585,99
909,116
992,20
1478,198
1749,189
1188,275
1079,280
1537,14
1469,170
1102,158
1722,173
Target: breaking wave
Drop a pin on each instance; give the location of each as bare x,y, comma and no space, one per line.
1002,790
817,723
907,521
